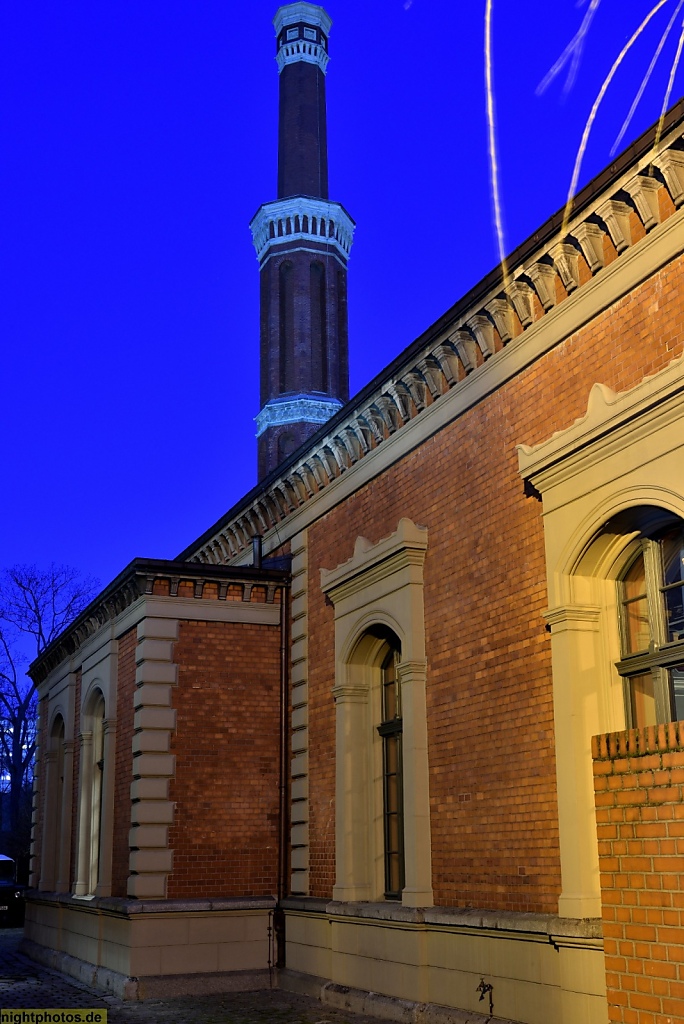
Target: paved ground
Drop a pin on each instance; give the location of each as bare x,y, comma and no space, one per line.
25,984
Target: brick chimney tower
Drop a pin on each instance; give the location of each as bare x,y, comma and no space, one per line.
302,242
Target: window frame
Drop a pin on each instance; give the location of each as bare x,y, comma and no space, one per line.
661,655
390,730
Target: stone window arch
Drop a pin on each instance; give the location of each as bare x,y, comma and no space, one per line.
636,561
95,808
608,484
378,600
56,823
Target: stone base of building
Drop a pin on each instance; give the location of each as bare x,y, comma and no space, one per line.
434,964
162,986
429,965
142,949
374,1004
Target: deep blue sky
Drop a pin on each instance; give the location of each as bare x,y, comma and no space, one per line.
139,138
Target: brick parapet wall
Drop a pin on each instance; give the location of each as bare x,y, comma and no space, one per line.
639,790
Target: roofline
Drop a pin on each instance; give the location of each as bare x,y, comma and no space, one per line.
142,567
583,199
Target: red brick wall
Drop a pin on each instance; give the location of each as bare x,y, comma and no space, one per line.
490,714
226,743
124,761
639,786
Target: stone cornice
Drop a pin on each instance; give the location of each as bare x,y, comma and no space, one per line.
148,577
302,13
302,219
296,409
472,350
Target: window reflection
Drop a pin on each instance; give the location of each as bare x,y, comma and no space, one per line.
652,628
672,547
635,605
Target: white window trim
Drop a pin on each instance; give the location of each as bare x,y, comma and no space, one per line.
381,585
99,677
626,453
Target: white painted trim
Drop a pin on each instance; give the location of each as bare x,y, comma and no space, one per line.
296,409
297,50
276,215
662,245
300,12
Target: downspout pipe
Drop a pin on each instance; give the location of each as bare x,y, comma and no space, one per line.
283,789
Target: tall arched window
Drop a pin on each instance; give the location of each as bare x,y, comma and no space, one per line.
52,844
91,799
382,809
97,789
651,593
390,731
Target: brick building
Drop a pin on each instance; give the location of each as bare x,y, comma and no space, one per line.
427,751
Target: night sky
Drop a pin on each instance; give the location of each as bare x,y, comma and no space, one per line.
138,141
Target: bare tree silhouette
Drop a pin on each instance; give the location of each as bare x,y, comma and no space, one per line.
35,606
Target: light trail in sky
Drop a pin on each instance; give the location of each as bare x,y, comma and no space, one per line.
646,79
572,53
491,128
668,92
597,103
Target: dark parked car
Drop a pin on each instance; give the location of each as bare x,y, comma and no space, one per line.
11,895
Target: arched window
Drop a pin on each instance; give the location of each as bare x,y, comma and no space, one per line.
52,845
96,786
651,593
382,791
390,731
91,800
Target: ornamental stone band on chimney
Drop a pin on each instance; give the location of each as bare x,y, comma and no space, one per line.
302,241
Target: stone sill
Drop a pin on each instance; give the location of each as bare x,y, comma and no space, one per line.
544,925
129,907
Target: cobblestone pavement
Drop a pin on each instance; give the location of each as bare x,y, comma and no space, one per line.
25,984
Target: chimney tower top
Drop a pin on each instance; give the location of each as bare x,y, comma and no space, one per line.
302,31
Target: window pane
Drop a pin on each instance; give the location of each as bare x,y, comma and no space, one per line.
637,627
393,834
390,702
390,694
672,547
634,580
674,611
642,696
677,686
394,874
391,755
672,551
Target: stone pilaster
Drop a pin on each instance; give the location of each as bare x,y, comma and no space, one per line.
153,764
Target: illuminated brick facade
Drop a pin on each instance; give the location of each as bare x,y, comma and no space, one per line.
459,545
